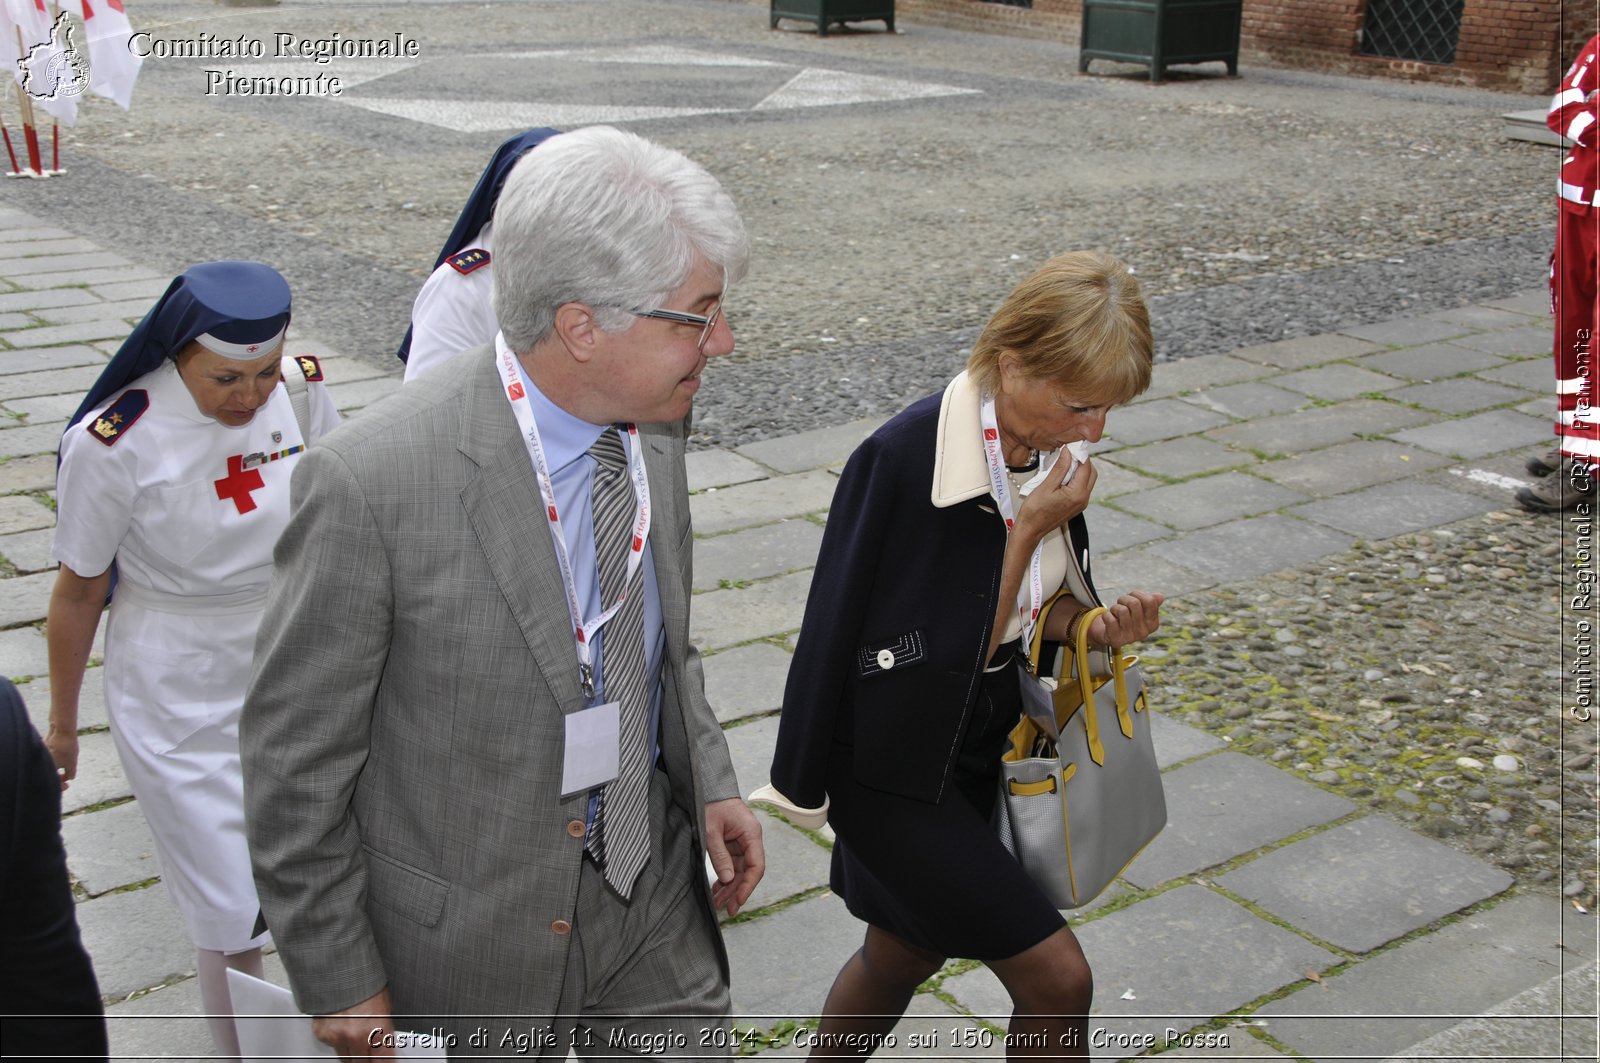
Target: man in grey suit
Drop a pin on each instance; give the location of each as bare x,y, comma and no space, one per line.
437,745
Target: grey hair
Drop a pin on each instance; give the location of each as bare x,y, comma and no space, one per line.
605,218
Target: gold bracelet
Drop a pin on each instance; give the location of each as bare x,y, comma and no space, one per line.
1073,625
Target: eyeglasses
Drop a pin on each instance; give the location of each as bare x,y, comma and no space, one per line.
707,322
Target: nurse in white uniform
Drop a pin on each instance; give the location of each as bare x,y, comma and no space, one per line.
454,311
173,489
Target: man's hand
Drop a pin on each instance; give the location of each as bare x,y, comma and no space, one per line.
63,747
365,1031
733,841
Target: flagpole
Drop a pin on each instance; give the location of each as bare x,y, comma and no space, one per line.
6,131
29,133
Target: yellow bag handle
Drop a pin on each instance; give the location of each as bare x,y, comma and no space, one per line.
1085,682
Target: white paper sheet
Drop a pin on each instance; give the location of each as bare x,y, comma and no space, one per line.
272,1030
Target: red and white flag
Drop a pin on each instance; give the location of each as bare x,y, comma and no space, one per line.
37,51
113,66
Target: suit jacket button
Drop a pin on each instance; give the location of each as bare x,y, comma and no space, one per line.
561,926
886,659
575,828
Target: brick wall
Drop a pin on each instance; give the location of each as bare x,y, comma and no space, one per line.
1514,45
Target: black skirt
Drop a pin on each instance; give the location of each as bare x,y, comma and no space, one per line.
936,875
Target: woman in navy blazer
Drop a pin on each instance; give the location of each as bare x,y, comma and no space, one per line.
902,689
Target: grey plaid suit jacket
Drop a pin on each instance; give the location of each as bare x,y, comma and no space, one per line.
402,737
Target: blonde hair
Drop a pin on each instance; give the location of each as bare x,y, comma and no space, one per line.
1079,321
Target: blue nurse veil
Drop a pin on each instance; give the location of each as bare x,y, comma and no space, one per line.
238,302
480,205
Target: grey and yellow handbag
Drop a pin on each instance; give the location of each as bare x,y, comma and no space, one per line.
1080,791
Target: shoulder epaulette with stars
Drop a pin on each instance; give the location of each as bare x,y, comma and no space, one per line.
117,418
470,259
310,367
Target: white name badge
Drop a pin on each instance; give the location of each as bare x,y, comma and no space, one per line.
590,757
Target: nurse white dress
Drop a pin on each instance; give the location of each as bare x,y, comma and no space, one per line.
190,510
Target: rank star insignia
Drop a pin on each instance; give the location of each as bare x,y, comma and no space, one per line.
115,420
470,259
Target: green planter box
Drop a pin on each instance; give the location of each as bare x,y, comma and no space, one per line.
1161,33
823,12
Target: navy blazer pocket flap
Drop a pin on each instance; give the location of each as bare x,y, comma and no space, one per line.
886,655
403,889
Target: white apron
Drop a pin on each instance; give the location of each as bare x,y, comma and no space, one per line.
192,532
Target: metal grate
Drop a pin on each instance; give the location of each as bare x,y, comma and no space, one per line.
1426,30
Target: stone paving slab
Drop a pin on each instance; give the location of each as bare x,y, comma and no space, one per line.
135,939
1535,302
1169,962
1481,316
167,1023
1180,458
31,439
720,468
1252,399
20,513
100,777
1192,374
110,848
1225,805
23,653
1337,382
1533,374
1111,479
106,275
755,553
91,701
1349,467
783,963
1555,1020
1394,509
360,393
1459,395
1389,1002
76,380
816,449
1405,331
115,288
795,864
45,407
1296,433
104,328
44,359
1142,569
1177,742
130,311
750,746
1149,422
28,551
1210,500
1245,549
746,680
1524,342
30,265
729,617
1117,531
48,300
1478,435
27,598
761,502
1431,361
1363,884
1304,351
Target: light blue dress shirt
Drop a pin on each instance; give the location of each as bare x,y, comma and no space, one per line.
567,440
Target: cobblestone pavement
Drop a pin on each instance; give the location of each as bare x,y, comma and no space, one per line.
1382,840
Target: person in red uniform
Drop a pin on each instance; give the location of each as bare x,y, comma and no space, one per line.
1567,471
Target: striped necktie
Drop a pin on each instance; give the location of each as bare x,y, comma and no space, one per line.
620,837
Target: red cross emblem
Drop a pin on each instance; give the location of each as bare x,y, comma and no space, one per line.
238,484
